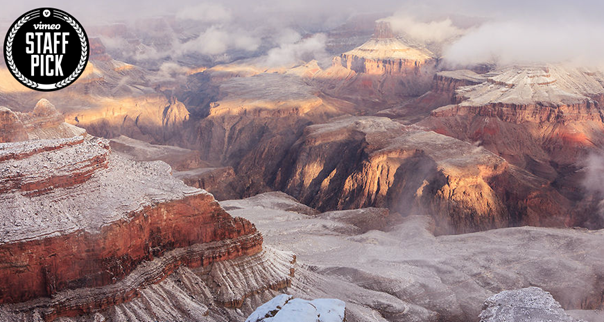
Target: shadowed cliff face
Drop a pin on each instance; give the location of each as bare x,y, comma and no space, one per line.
254,129
367,161
261,125
89,218
545,120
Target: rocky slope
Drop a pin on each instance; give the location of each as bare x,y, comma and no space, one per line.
85,230
402,272
187,166
383,69
43,122
527,304
384,54
358,162
545,120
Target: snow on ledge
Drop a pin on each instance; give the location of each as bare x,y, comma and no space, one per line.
285,308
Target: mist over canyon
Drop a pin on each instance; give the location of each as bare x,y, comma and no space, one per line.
285,161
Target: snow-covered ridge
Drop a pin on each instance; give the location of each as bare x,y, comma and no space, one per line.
548,84
76,185
389,48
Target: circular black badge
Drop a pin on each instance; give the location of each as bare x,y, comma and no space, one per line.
46,49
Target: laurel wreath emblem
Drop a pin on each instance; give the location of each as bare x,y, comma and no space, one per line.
71,78
9,53
83,57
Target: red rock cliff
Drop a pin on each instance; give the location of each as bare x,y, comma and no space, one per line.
77,216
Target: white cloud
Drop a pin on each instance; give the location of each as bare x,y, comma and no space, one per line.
290,53
205,12
215,41
424,32
515,42
171,70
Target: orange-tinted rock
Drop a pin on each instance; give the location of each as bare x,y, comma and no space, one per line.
76,216
11,128
97,50
544,120
361,162
45,266
384,54
44,122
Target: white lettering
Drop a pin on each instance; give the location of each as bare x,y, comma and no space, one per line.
48,65
41,26
47,44
65,42
58,67
49,59
30,44
35,62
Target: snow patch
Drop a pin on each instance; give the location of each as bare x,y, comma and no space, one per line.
284,308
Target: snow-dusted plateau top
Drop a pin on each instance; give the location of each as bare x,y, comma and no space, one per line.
388,48
53,187
550,84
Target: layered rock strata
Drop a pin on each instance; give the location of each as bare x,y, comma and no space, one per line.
77,216
359,162
165,289
384,54
543,119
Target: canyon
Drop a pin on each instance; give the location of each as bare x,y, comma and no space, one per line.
384,185
398,270
84,229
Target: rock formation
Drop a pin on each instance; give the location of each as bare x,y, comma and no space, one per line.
530,304
44,122
384,54
84,229
187,165
179,159
383,69
253,123
402,272
357,162
544,119
152,118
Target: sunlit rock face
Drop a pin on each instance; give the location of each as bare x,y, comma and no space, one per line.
384,54
358,162
543,112
85,229
43,123
152,118
254,121
384,69
543,119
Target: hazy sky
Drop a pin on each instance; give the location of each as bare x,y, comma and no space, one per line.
124,9
516,31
